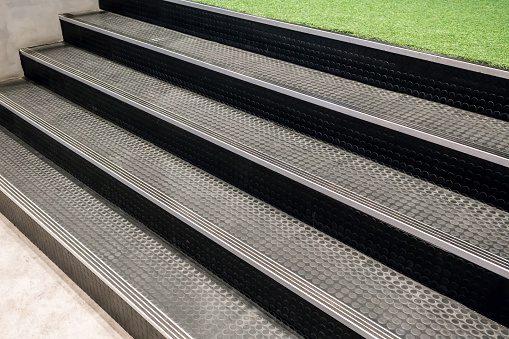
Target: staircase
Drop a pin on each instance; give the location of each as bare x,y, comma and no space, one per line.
209,174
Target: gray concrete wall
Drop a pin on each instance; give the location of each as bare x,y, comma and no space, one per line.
25,23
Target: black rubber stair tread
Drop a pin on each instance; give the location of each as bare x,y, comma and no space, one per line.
461,225
382,302
464,131
179,297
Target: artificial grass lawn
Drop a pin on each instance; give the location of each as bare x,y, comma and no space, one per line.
473,30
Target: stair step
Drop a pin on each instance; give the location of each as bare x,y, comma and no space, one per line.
469,175
351,288
467,132
149,287
315,182
463,226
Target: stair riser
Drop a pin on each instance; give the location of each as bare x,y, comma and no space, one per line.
481,93
471,176
447,273
284,304
90,283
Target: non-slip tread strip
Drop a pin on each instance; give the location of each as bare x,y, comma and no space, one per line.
461,130
461,225
266,236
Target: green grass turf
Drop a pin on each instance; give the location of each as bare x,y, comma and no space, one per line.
473,30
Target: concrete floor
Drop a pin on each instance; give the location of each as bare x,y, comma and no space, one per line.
37,300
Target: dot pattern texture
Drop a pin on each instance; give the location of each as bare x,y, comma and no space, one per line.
190,296
388,298
466,219
478,131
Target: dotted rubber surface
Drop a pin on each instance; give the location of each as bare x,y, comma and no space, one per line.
388,298
468,175
478,131
202,305
479,224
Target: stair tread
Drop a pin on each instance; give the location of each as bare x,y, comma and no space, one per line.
448,126
190,296
438,215
397,304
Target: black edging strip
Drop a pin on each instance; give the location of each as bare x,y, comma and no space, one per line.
285,305
448,274
469,90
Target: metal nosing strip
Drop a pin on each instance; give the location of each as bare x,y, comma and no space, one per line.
436,237
387,122
335,308
132,297
500,73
